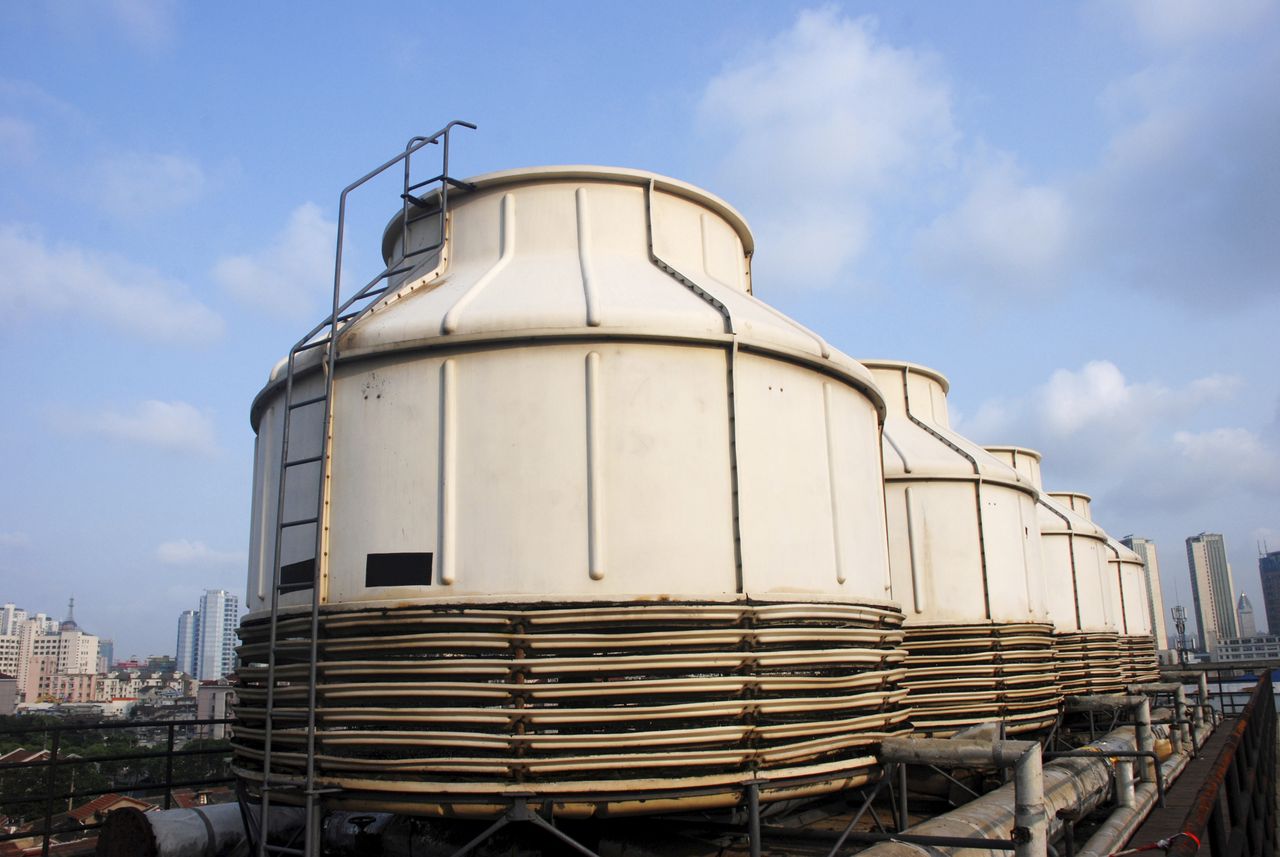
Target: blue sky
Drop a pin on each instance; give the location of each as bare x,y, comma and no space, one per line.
1072,210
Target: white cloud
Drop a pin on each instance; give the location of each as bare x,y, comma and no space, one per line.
817,123
32,122
1231,455
18,139
292,274
1004,232
1178,23
139,184
1098,394
1130,440
15,539
1096,399
1182,200
26,97
148,23
187,552
64,280
172,426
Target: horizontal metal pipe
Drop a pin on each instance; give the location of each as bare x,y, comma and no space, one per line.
1075,784
1102,702
952,751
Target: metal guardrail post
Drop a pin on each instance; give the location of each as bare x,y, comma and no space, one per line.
1206,710
168,770
48,795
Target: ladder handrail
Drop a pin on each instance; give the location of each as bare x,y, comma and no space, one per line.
335,323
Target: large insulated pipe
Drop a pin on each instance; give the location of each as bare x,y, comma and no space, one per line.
1031,826
1113,833
206,831
1077,785
1141,706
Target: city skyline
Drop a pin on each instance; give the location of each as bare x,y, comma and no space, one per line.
1028,198
56,662
218,647
13,617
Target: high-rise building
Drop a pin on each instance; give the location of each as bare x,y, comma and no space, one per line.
1212,588
216,636
1244,610
1146,549
1269,571
188,634
106,655
11,617
43,623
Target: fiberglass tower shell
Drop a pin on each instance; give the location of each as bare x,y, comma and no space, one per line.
965,558
1137,641
1082,593
601,527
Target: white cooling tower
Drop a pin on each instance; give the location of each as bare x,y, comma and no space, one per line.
965,559
1137,641
600,527
1082,596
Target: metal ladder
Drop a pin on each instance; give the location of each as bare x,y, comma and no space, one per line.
326,335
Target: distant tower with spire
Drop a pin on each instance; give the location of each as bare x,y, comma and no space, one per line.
1248,628
69,623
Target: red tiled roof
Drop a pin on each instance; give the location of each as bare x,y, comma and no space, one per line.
187,798
23,755
104,804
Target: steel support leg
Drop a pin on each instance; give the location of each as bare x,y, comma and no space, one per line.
753,818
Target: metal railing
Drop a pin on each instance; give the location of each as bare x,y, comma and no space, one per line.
1229,682
1234,814
50,795
1230,701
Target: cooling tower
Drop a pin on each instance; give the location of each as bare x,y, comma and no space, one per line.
601,531
1082,594
965,558
1137,641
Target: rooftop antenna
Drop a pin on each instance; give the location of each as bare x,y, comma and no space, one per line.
71,610
1180,622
